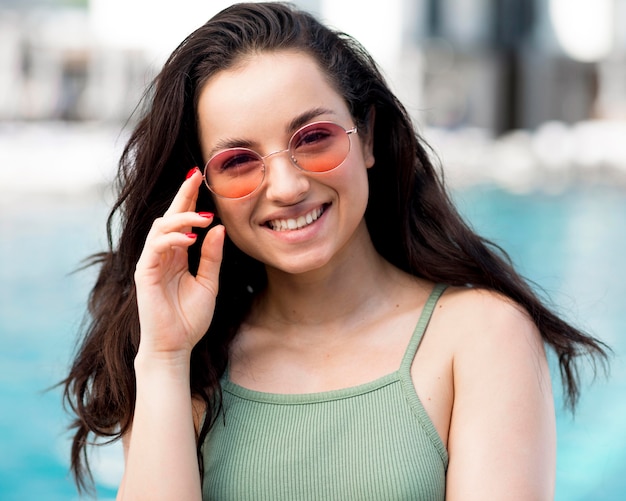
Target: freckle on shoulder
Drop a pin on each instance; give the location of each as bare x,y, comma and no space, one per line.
480,310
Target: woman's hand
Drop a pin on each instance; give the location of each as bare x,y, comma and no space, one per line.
175,307
175,310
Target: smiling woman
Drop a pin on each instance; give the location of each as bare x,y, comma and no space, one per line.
320,323
323,173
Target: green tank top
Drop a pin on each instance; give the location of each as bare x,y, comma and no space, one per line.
370,442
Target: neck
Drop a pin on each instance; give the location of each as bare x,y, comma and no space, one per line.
353,285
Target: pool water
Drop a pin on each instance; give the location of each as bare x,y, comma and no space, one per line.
573,244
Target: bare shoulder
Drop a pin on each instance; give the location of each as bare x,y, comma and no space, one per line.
492,337
479,319
484,304
503,407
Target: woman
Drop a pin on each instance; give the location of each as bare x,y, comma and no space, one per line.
333,363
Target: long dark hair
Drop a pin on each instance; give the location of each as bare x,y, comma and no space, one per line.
411,219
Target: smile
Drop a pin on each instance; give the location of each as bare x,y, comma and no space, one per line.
297,223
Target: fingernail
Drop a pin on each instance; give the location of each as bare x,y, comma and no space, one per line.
191,172
208,215
191,235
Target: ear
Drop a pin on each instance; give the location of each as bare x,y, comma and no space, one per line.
367,139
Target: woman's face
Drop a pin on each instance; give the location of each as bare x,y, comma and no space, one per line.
259,104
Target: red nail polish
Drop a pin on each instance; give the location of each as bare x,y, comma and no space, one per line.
191,235
191,172
208,215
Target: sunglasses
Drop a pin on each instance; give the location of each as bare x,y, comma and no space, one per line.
317,147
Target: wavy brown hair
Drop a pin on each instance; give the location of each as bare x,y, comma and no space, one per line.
410,217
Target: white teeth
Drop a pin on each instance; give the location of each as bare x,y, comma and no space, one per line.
295,224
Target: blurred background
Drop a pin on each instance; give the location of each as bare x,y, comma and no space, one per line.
523,101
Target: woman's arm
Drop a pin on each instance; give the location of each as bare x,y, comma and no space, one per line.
160,451
502,438
175,310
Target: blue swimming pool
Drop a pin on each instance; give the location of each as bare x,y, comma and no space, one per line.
573,244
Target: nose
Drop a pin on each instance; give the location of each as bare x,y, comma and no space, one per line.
284,182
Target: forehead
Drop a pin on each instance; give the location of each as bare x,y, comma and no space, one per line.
265,90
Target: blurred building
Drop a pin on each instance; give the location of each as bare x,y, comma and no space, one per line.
53,68
510,65
498,65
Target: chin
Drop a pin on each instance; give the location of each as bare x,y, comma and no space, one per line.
298,266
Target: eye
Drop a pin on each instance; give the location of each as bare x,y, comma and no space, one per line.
236,162
316,136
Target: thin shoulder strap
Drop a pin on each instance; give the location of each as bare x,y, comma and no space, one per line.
420,328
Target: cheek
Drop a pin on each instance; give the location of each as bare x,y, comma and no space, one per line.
235,216
231,211
352,178
227,215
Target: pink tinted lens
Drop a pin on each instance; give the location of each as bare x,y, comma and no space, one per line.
234,173
320,147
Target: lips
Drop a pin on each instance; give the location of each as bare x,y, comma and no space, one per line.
296,223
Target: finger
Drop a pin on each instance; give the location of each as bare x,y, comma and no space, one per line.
162,244
180,222
185,199
211,257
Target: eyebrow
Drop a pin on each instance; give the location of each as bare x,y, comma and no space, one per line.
306,117
293,125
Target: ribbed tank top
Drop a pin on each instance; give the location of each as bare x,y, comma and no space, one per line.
373,441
